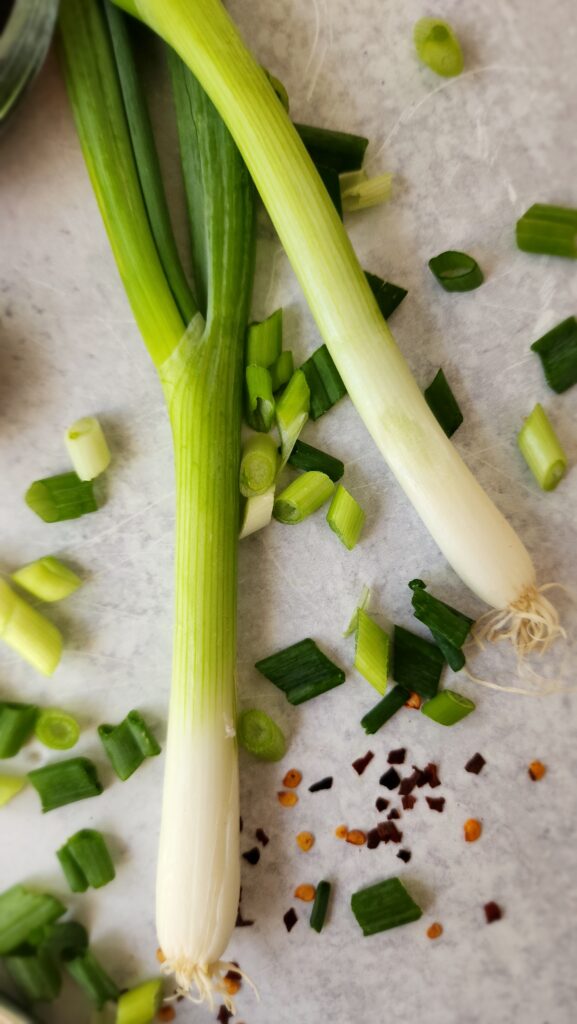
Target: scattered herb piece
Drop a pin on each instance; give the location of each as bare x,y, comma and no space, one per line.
438,46
436,803
141,1003
557,351
47,579
397,756
303,496
305,457
448,708
356,837
87,448
341,150
252,856
65,782
93,979
443,404
542,450
324,381
305,841
493,912
550,230
346,518
320,906
408,801
10,786
404,855
26,631
450,623
290,919
472,829
384,905
61,497
56,729
381,804
390,779
417,663
475,764
23,912
361,763
385,709
341,831
388,295
262,837
326,783
287,798
86,861
301,671
260,735
292,779
128,744
17,723
388,832
434,931
305,892
393,815
456,271
371,651
536,770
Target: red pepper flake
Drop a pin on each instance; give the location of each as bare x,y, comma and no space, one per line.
292,779
252,856
407,785
361,763
404,855
290,919
373,838
388,832
475,764
390,779
241,922
536,770
408,802
436,803
233,975
393,814
262,837
381,804
429,775
397,756
223,1016
322,784
166,1014
435,930
493,912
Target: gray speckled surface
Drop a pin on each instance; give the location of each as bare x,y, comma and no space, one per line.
469,156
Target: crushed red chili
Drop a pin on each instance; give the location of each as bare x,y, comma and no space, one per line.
404,855
436,803
397,756
409,801
493,912
381,804
361,762
290,919
322,784
253,855
262,837
233,975
393,814
223,1016
373,838
408,784
475,764
388,832
536,770
242,922
166,1014
390,779
430,776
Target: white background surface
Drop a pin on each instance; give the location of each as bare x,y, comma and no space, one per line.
469,156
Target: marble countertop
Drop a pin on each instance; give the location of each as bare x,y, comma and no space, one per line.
469,156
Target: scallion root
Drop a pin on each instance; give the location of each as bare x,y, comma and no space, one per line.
200,983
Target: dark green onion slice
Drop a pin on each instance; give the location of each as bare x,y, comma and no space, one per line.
64,941
417,663
324,380
36,974
264,341
56,729
128,744
441,618
17,723
448,707
388,295
320,906
453,655
542,449
302,497
443,404
22,912
345,517
65,496
282,370
438,47
330,179
550,230
301,671
260,735
65,782
93,979
557,351
371,651
304,456
456,271
140,1005
339,150
86,861
26,29
384,905
385,709
259,398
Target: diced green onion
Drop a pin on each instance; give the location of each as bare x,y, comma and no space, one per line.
320,906
348,179
282,370
141,1004
388,295
453,655
279,89
364,194
258,465
16,726
456,271
292,411
362,606
417,663
64,941
128,744
264,341
324,380
56,729
443,404
441,618
29,633
257,513
384,905
48,579
438,47
36,974
385,709
60,497
542,449
304,456
10,786
339,150
448,707
25,36
345,517
93,979
85,861
371,651
301,671
23,912
260,735
551,230
330,180
557,351
302,497
65,782
259,398
87,448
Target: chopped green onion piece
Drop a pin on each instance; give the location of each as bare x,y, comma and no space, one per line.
141,1004
260,735
384,905
282,370
16,726
417,663
23,912
331,182
453,655
257,513
438,47
456,271
258,465
128,744
65,782
10,786
93,979
441,618
345,517
364,194
348,179
85,861
279,89
443,404
551,230
302,497
56,729
301,671
385,709
371,651
25,36
259,398
292,411
362,606
320,906
60,497
339,150
324,380
388,295
304,456
448,707
87,448
557,351
36,973
48,579
65,941
542,450
264,341
29,633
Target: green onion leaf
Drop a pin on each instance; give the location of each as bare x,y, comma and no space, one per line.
453,655
141,1004
324,380
65,782
441,618
456,271
25,36
93,979
302,497
10,786
448,707
56,729
292,410
260,735
551,230
258,465
542,449
36,973
330,180
264,341
128,744
339,150
362,606
388,295
345,517
257,513
282,370
16,726
47,579
22,912
64,941
29,633
384,905
87,448
385,709
65,496
557,351
371,651
301,671
443,404
259,398
304,456
438,47
417,663
85,861
363,194
320,906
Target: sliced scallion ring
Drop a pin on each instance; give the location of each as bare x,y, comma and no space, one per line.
456,271
56,729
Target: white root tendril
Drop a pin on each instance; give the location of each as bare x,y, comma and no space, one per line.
200,982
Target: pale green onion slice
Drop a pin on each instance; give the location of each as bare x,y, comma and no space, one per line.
350,179
448,707
302,497
438,46
372,651
292,410
260,735
56,729
264,341
258,465
10,786
363,194
345,517
257,513
87,448
48,579
260,404
28,633
282,370
542,449
362,605
141,1004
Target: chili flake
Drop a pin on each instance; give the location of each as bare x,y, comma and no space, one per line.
341,831
287,798
436,803
262,837
397,756
356,837
292,779
223,1016
414,701
493,912
290,919
390,779
160,956
253,855
475,764
305,892
166,1013
361,763
373,838
305,840
435,930
393,814
381,804
388,832
536,770
322,784
472,829
404,855
232,985
409,802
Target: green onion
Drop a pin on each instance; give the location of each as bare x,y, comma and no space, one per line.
388,295
324,380
93,979
417,663
36,974
282,370
456,271
443,404
264,341
260,735
141,1004
302,497
542,449
363,194
29,633
438,47
259,398
258,465
16,726
453,655
128,744
320,906
551,230
384,905
448,707
22,912
339,150
47,579
441,618
56,729
60,497
301,671
362,606
279,89
371,651
331,181
257,513
304,456
87,448
292,410
345,517
64,941
385,709
65,782
557,351
349,179
25,36
85,861
10,786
